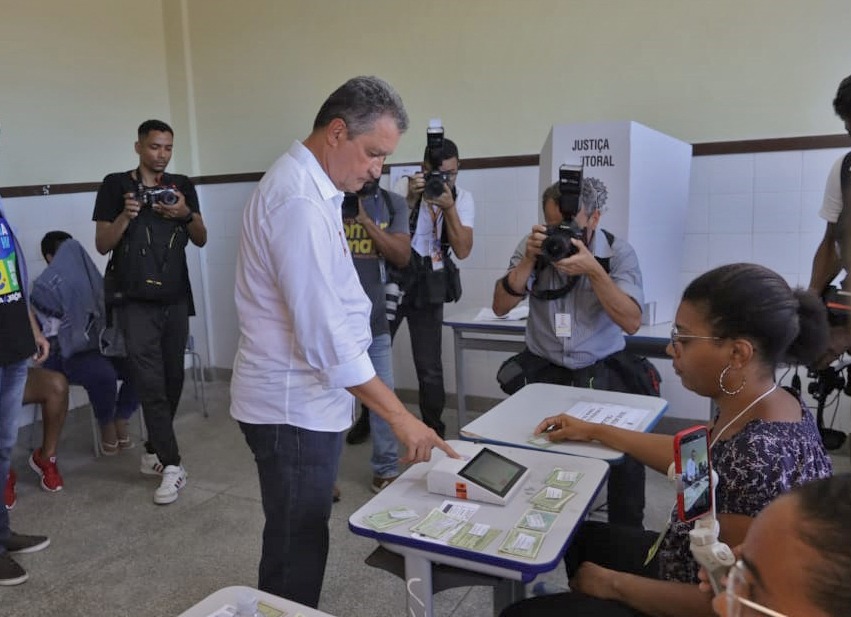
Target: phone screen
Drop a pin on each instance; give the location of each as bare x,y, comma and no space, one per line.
691,458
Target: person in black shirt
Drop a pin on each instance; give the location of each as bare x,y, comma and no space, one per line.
146,217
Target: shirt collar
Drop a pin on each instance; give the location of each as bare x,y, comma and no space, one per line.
326,188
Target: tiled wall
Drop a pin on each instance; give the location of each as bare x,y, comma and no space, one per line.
749,207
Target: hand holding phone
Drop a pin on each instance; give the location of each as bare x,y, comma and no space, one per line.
695,494
694,480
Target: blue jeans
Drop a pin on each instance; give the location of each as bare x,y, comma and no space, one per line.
99,375
13,377
385,448
297,469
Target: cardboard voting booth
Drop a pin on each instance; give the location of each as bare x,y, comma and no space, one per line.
641,177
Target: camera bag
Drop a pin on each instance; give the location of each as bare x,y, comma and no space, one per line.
149,261
420,283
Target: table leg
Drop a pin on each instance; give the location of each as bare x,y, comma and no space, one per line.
460,389
419,586
506,593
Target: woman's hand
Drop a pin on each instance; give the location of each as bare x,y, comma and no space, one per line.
565,428
594,580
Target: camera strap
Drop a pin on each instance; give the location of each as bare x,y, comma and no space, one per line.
555,294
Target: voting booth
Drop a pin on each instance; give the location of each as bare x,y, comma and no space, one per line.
641,178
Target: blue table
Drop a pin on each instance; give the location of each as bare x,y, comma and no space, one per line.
420,554
512,421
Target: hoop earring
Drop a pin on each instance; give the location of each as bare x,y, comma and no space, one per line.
721,383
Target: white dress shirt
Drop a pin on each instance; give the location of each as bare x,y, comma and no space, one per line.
303,314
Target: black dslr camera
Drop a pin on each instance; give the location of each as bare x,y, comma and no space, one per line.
435,180
351,205
164,195
558,245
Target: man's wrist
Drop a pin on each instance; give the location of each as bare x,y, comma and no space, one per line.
506,285
186,220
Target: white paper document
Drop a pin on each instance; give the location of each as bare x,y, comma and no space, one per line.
620,416
518,313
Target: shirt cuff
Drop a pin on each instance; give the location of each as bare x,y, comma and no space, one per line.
353,373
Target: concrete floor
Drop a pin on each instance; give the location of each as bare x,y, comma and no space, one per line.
115,553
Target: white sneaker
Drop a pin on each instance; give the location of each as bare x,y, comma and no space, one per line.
174,479
151,465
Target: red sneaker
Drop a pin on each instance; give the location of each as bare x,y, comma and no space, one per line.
10,497
51,480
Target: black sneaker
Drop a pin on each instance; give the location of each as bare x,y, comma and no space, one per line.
11,572
19,543
359,433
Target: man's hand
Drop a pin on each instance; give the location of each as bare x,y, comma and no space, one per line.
42,348
565,428
534,242
416,184
445,201
581,262
131,206
418,440
176,211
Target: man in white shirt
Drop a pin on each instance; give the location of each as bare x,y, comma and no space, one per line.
831,256
304,331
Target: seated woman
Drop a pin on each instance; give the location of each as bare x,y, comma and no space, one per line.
796,558
733,327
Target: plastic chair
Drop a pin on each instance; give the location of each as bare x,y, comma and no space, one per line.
197,372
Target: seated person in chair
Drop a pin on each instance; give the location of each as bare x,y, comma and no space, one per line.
68,296
733,327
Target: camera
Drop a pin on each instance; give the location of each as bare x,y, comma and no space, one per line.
558,245
164,195
435,184
350,206
435,180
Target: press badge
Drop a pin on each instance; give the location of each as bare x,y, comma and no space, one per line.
437,259
562,325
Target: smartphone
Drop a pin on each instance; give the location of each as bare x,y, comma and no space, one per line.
694,480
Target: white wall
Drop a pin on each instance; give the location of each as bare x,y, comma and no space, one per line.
241,80
755,207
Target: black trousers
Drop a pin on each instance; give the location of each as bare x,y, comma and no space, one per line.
615,547
626,479
425,325
156,340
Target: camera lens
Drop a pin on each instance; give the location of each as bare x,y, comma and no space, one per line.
434,187
168,197
557,247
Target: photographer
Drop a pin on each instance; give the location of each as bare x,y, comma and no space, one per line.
579,308
832,254
146,218
441,223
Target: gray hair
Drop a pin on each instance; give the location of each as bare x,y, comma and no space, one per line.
359,103
593,196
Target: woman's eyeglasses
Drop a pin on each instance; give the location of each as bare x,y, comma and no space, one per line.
738,593
676,337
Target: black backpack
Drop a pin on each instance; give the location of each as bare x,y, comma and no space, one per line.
149,262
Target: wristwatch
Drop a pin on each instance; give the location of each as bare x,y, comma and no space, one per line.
188,218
